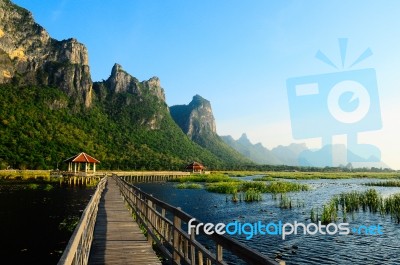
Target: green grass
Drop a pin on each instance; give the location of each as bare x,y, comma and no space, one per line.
33,186
352,202
210,178
240,173
392,207
264,178
284,186
252,195
224,187
189,186
262,187
332,175
389,183
25,174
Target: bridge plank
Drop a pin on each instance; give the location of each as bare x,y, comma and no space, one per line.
117,238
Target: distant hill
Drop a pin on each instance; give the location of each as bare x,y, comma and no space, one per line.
300,155
255,152
289,155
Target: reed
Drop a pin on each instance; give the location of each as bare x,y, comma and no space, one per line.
329,212
189,186
264,178
211,178
392,207
367,201
284,186
252,195
224,187
332,175
285,202
262,187
389,183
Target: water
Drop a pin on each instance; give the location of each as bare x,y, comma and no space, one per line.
31,229
296,249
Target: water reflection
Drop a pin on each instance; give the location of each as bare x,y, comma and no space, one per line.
35,220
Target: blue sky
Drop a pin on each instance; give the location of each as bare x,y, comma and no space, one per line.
238,54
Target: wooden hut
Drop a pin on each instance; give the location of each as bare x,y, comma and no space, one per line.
82,159
195,167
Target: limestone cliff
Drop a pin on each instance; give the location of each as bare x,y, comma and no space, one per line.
197,121
143,102
121,81
196,118
28,55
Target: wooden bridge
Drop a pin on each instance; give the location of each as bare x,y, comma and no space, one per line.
107,233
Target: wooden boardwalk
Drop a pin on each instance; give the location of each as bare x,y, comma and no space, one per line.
117,238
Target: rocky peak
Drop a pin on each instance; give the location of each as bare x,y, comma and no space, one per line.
120,81
154,87
29,56
244,139
196,118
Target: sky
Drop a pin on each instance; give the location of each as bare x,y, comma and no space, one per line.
240,54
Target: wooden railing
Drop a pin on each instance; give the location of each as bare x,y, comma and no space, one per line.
78,248
164,223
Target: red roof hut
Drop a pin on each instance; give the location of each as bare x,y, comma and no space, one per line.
81,158
195,167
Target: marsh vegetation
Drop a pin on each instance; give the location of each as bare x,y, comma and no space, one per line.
352,202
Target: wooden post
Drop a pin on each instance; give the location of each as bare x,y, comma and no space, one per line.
192,248
219,252
200,254
176,243
149,220
163,227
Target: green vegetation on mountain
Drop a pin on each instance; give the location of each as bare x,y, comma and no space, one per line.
39,131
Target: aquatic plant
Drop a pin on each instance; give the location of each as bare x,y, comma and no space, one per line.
69,223
329,213
392,206
264,178
48,187
284,186
352,202
332,175
285,202
252,195
189,186
209,178
389,183
224,187
33,186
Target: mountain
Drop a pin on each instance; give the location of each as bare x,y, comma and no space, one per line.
280,155
337,155
29,56
255,152
197,121
50,109
299,155
289,155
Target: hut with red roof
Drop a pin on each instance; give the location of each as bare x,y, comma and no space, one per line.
195,167
75,162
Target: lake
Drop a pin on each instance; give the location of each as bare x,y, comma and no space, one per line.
37,220
296,249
